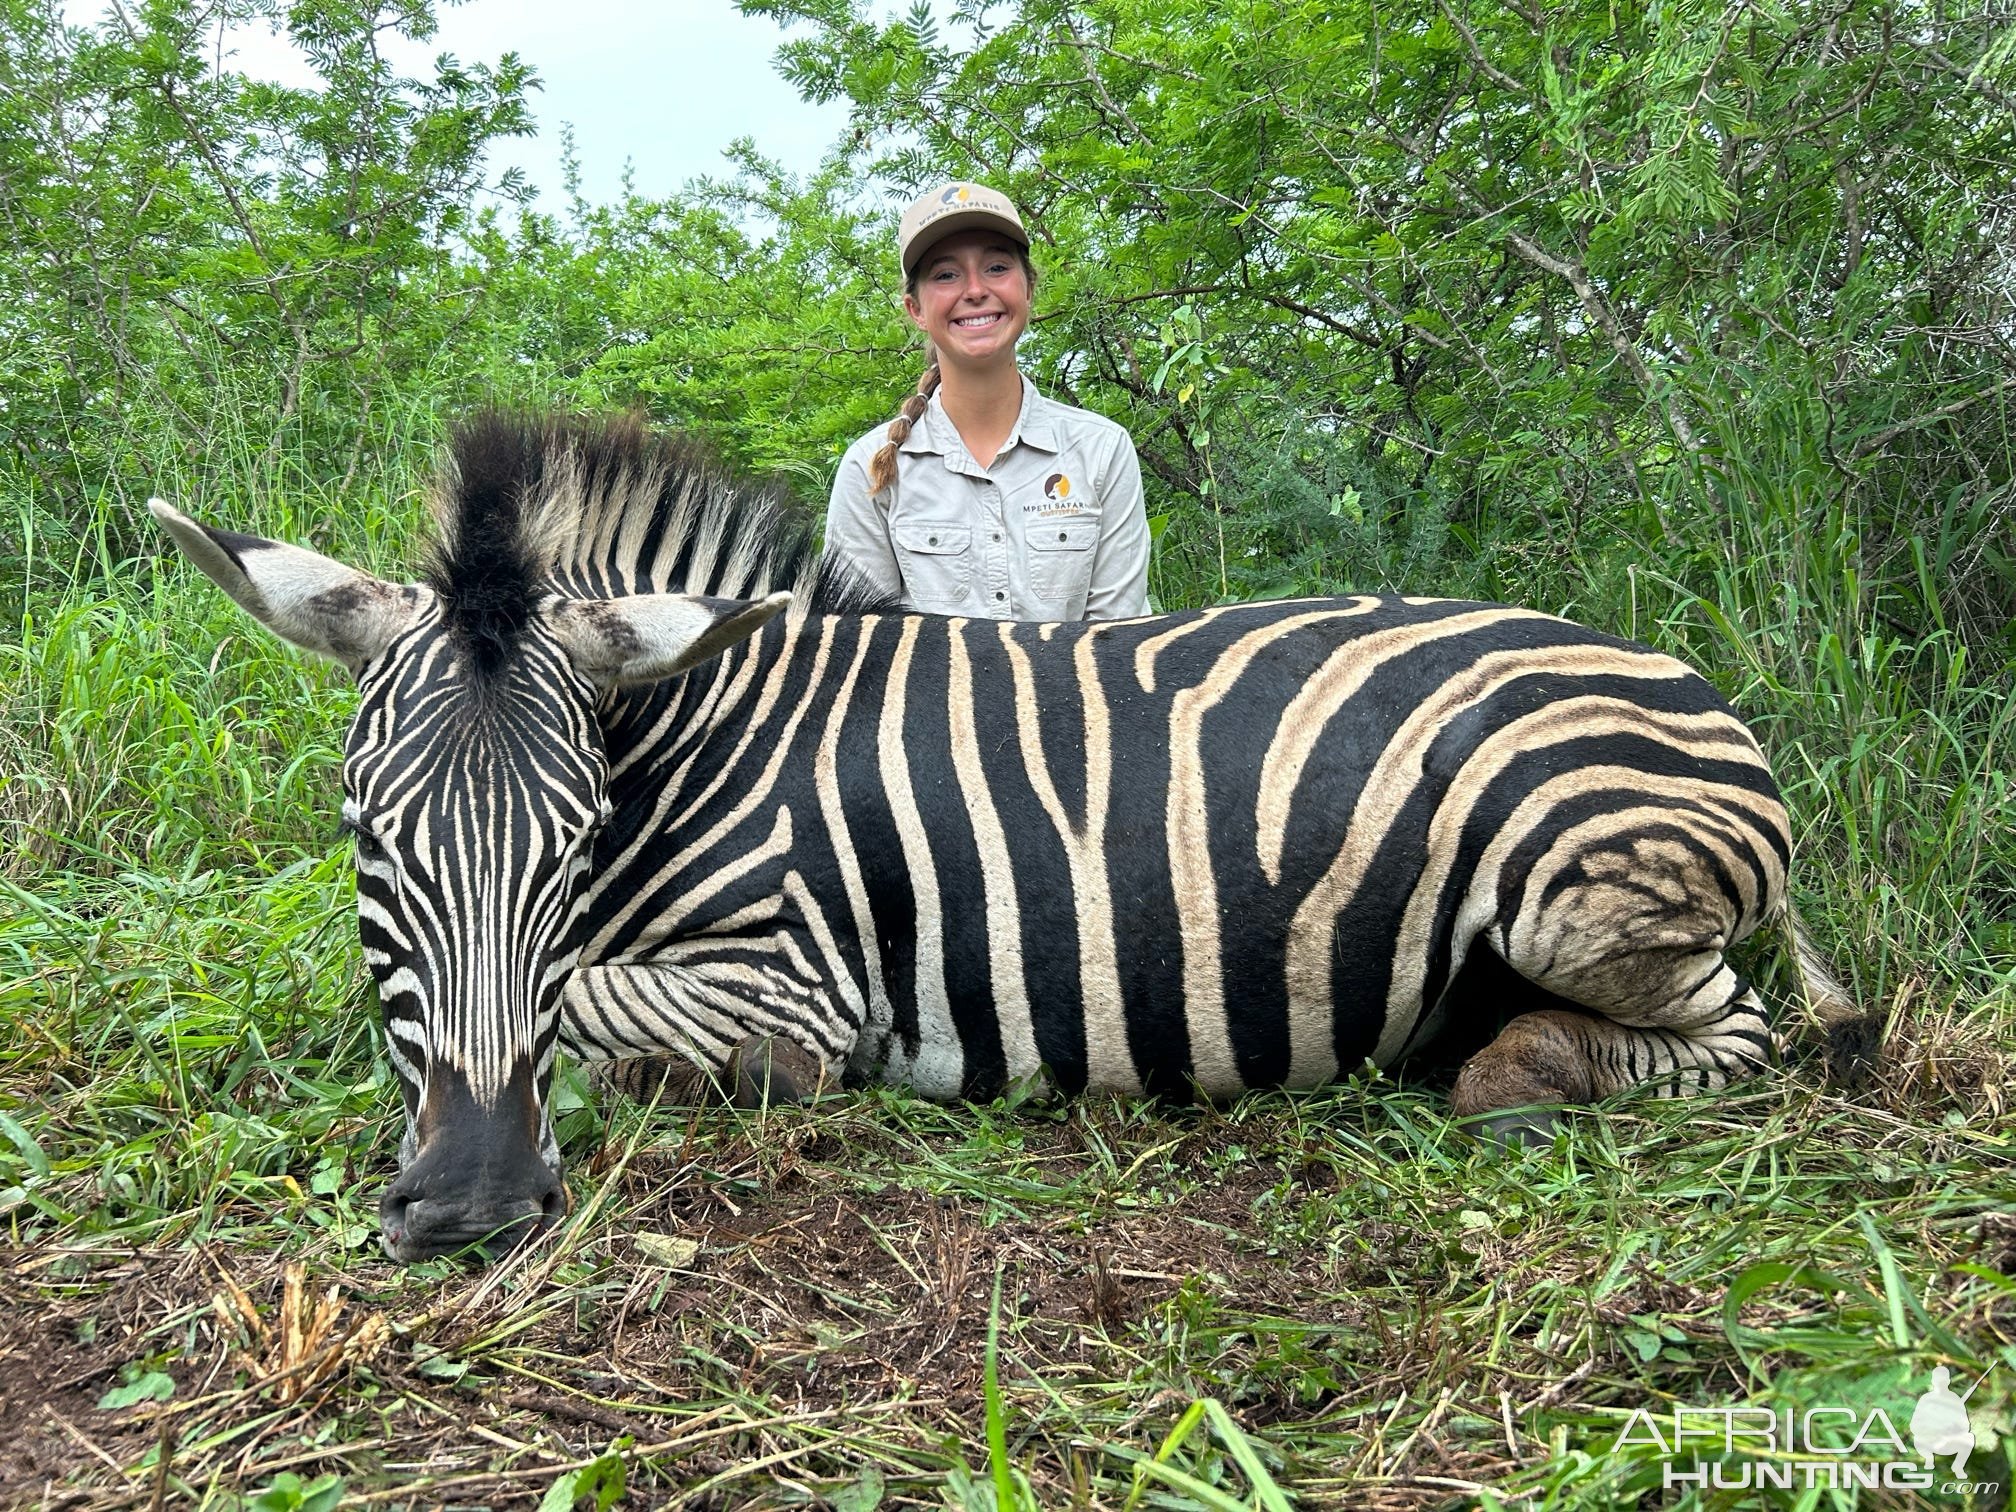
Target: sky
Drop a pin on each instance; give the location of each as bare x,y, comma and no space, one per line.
667,84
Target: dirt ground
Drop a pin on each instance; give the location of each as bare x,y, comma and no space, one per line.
795,1311
753,1322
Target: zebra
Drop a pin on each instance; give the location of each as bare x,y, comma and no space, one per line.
635,774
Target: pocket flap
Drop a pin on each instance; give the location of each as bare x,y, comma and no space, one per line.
932,540
1062,535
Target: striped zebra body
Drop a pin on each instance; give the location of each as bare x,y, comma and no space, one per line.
612,796
1235,848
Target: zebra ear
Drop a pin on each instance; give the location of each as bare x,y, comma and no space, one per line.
640,639
304,598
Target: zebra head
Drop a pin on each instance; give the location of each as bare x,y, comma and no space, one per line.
475,779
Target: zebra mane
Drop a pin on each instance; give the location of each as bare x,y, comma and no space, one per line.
528,504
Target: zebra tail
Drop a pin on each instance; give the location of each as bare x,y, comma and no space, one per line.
1849,1039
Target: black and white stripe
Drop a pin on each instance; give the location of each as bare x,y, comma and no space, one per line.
1245,847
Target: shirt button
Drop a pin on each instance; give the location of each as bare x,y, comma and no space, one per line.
998,594
932,541
997,535
1062,536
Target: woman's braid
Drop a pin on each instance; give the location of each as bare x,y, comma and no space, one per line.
882,467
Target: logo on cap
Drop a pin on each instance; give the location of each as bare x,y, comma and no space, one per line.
957,192
1057,486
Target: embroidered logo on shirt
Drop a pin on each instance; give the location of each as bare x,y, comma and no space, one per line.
1061,500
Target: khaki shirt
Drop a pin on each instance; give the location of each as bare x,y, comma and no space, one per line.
1053,530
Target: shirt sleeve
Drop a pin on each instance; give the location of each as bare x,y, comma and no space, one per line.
857,529
1120,562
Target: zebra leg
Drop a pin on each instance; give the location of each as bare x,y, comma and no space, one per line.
1628,919
1667,1009
761,1070
698,1033
1555,1056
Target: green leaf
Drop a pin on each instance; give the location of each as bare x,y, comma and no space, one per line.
140,1386
437,1364
862,1494
1646,1343
1894,1291
600,1484
25,1142
1766,1275
286,1492
1189,1485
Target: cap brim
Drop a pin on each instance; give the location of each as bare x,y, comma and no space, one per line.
951,225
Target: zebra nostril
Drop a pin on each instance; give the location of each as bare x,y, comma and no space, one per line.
395,1218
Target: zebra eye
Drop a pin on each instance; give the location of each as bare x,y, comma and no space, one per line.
369,846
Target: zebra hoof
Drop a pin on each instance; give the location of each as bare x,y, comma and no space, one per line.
771,1069
1518,1129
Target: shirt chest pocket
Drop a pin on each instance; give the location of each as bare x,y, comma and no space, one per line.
936,562
1060,559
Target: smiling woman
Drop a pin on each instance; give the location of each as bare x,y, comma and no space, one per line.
983,498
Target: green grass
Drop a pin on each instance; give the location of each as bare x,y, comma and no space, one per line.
1325,1299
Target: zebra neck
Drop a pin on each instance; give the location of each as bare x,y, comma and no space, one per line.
723,728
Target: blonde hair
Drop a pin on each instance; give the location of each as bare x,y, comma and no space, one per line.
882,466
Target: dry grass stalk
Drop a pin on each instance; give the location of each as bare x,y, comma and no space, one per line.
296,1353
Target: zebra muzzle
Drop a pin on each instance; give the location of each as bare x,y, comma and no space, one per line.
486,1224
477,1183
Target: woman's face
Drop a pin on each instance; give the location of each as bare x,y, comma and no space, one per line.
972,298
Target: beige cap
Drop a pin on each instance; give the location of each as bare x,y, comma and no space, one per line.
950,208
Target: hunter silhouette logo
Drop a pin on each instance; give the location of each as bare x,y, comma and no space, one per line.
1939,1422
1057,486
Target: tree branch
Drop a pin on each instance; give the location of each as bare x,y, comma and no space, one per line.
1884,437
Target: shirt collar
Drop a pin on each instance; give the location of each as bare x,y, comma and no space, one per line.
1035,426
926,436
